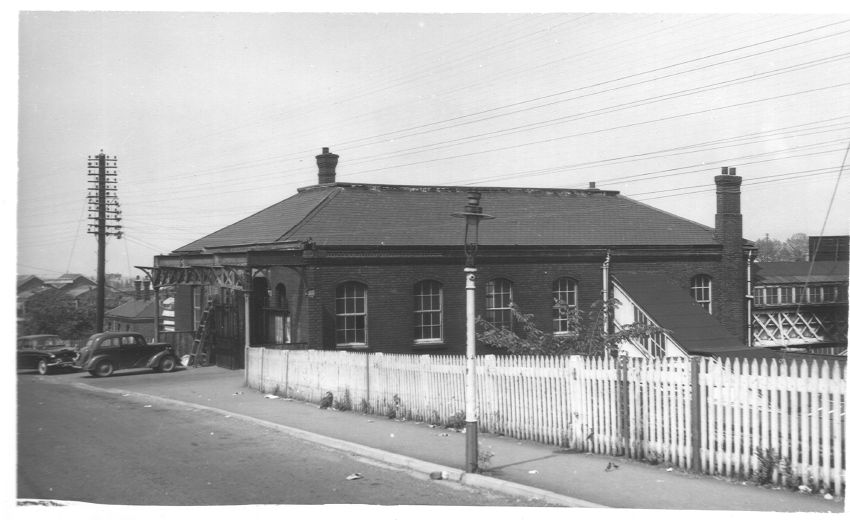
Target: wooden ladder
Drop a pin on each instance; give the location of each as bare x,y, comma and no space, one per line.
200,337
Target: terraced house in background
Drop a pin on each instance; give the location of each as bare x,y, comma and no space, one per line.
378,268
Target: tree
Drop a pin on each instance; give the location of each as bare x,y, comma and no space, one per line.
797,247
51,312
586,336
794,249
769,249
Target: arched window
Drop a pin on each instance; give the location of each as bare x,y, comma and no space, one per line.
351,314
499,295
428,311
564,292
701,290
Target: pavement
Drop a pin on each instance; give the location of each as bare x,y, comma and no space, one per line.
519,468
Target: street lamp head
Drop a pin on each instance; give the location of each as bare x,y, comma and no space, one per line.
472,202
472,213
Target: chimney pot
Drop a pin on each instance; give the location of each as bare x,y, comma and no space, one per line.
592,185
147,284
724,170
138,286
731,171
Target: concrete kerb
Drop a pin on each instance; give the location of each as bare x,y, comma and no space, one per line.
386,457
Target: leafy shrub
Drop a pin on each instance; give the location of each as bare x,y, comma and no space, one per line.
344,404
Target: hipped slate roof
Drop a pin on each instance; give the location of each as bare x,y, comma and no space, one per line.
343,214
800,272
672,308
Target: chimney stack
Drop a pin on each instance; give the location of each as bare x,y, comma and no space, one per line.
147,284
138,285
728,195
327,166
728,231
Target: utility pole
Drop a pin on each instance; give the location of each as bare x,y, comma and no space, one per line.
104,217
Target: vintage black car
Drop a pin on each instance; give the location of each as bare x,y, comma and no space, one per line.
106,352
44,352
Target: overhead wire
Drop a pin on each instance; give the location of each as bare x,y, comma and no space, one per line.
592,132
300,153
603,110
342,146
548,140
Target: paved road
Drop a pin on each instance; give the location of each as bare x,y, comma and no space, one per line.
84,446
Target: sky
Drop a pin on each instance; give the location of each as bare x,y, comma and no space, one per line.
215,116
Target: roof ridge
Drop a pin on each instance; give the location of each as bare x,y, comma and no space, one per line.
457,188
312,213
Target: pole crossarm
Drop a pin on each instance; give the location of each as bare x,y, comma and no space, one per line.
231,277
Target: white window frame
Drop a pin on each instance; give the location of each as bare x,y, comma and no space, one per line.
492,310
700,285
568,295
347,314
420,312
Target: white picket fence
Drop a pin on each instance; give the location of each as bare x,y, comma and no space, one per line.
747,418
788,412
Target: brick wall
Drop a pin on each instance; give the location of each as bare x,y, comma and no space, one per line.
390,318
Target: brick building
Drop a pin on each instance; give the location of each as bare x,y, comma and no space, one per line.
135,315
380,267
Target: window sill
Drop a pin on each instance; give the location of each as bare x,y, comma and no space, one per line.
565,334
426,345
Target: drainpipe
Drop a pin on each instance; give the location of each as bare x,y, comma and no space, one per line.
605,290
749,298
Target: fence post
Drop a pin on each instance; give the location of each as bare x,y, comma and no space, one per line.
696,441
623,404
368,384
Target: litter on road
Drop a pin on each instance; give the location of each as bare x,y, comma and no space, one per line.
354,476
271,396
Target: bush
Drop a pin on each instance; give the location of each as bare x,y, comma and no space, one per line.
588,334
344,404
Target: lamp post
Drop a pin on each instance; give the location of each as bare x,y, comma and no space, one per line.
472,214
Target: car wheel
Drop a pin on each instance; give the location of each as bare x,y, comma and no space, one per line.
103,368
42,367
166,364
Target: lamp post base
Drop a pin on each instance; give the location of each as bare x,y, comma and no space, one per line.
472,447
